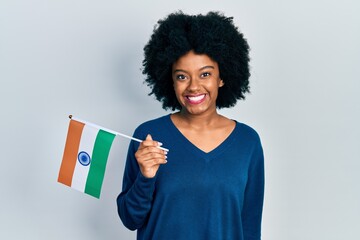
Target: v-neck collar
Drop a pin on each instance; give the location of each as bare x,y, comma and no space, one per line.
193,148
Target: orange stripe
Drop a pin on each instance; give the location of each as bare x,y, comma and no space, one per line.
70,153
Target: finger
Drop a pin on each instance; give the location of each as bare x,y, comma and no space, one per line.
151,149
152,165
159,161
142,157
149,142
149,139
154,162
145,150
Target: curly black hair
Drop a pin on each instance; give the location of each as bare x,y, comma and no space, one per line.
212,34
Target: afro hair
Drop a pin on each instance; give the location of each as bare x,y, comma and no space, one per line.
212,34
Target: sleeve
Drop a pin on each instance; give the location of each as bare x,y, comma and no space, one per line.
135,201
254,196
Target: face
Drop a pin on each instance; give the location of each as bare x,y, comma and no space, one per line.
196,80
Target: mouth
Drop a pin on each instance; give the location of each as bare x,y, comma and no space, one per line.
195,99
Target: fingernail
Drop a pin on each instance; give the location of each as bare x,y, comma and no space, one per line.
160,144
165,161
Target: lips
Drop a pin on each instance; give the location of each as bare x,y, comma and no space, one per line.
195,99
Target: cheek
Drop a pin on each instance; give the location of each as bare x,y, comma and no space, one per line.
177,91
178,87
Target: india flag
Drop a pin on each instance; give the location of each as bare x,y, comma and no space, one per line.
85,156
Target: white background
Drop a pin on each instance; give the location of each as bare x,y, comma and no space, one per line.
84,58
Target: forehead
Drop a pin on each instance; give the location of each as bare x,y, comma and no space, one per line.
194,61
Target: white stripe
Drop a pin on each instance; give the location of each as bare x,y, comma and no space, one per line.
87,142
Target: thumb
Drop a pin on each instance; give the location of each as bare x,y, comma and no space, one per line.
148,137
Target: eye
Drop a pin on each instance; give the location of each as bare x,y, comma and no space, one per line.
205,74
180,77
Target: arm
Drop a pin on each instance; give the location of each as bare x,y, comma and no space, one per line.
135,201
254,195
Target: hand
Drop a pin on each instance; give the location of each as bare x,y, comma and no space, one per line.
149,157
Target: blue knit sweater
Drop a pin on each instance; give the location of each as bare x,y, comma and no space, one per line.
195,195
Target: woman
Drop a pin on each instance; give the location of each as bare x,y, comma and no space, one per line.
210,184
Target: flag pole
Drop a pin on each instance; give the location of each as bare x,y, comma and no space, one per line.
111,131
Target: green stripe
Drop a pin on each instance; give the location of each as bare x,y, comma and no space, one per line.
98,163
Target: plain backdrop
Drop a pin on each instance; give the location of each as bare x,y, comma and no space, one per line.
84,58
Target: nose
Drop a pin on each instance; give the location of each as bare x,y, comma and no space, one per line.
194,84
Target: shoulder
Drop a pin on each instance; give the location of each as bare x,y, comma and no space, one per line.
246,131
153,123
249,138
150,126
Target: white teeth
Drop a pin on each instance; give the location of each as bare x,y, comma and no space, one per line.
196,98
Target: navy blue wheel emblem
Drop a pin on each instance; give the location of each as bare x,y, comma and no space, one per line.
84,158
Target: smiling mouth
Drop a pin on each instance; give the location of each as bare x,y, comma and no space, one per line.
196,99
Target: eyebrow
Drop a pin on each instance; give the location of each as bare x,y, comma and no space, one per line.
202,68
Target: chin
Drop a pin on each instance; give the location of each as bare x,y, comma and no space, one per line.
195,110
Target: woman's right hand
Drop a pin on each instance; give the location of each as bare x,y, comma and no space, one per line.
149,157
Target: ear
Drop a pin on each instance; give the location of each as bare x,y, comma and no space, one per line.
221,83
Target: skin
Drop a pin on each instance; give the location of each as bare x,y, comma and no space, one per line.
150,157
196,80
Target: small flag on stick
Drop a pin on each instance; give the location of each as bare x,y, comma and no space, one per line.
85,156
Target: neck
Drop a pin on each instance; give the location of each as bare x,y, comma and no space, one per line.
199,121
